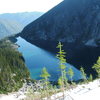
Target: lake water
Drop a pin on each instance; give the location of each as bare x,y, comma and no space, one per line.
37,58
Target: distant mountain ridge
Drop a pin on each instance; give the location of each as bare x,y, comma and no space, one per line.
24,18
12,23
9,27
76,23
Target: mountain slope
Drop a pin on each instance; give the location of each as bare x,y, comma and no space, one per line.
13,71
69,21
24,18
76,23
9,27
12,23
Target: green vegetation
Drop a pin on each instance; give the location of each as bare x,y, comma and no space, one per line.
47,89
62,61
90,79
45,75
96,67
71,74
13,71
83,75
62,81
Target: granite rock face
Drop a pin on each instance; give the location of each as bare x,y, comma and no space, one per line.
76,23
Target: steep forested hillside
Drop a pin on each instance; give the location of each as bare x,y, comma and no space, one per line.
13,71
76,23
70,21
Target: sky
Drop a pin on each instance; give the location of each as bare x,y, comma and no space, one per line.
13,6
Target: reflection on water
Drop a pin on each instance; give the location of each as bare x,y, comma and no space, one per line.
37,58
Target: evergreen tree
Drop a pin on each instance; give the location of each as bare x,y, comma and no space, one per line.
65,80
62,81
90,78
71,73
45,75
97,67
83,74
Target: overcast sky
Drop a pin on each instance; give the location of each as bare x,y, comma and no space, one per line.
12,6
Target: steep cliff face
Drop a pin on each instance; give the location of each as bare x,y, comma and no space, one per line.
76,23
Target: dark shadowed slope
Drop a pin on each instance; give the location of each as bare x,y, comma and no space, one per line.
74,22
69,21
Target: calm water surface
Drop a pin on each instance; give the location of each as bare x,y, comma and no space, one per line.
37,58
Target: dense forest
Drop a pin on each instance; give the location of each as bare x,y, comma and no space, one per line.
13,71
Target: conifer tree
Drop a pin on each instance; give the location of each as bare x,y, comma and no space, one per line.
45,75
97,67
60,83
62,65
90,78
71,73
83,74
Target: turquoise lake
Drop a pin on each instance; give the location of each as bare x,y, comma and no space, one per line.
37,58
